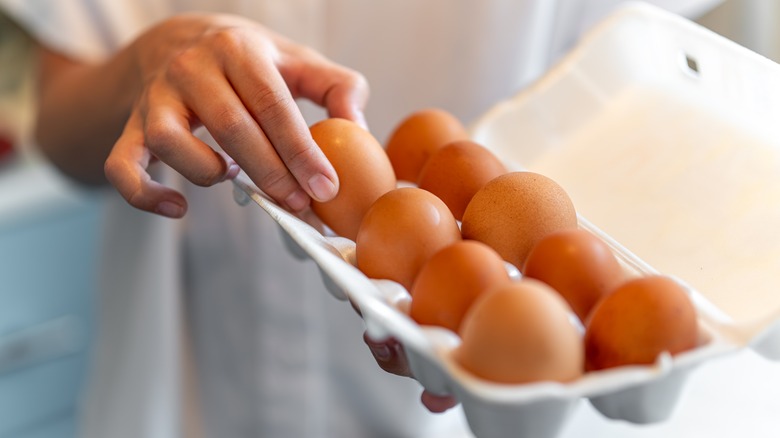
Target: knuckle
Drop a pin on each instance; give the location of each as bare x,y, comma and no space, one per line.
272,105
356,79
111,168
275,181
306,52
207,175
301,158
137,199
228,40
183,64
230,125
166,145
158,136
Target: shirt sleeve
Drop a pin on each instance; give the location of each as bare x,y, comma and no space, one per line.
84,29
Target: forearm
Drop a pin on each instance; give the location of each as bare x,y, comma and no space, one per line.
82,111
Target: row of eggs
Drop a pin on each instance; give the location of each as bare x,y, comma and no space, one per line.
447,238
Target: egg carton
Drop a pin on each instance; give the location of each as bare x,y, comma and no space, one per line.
664,135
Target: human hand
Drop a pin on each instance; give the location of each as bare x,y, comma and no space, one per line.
391,357
239,80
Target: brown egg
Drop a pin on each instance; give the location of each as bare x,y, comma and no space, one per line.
638,321
364,173
457,170
452,279
577,264
513,211
520,332
417,136
400,232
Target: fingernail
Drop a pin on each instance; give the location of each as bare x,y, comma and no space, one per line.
169,209
297,200
322,188
381,351
360,119
232,171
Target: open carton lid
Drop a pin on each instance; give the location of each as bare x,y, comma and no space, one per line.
665,136
662,133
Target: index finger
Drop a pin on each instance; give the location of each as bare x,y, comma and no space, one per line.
265,94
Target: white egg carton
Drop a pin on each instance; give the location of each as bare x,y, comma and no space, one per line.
666,136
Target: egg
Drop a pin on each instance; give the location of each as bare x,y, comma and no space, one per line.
417,136
514,211
638,321
457,170
520,332
400,232
452,279
364,172
578,265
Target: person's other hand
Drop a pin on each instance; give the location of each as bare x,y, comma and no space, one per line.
239,80
391,357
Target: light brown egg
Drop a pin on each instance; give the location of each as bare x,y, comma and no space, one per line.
520,332
578,265
452,279
400,232
513,211
363,169
638,321
457,170
417,136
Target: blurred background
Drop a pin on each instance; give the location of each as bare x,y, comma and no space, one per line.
48,238
49,232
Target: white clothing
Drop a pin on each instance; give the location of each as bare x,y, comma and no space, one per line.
275,354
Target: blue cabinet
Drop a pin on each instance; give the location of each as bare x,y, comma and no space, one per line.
48,259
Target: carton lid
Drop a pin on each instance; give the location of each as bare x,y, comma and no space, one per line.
665,135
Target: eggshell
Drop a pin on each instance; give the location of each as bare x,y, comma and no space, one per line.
400,232
578,265
364,172
457,170
513,211
520,332
638,321
452,279
417,136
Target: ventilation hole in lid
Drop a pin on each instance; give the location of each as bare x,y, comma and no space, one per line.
690,66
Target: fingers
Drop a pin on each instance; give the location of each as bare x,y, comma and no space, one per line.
265,95
241,84
389,355
241,136
168,136
125,168
437,403
342,91
165,134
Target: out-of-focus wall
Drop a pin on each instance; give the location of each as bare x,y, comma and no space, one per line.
751,23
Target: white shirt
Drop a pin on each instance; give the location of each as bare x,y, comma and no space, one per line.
275,355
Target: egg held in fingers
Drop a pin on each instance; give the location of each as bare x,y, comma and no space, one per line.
364,172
